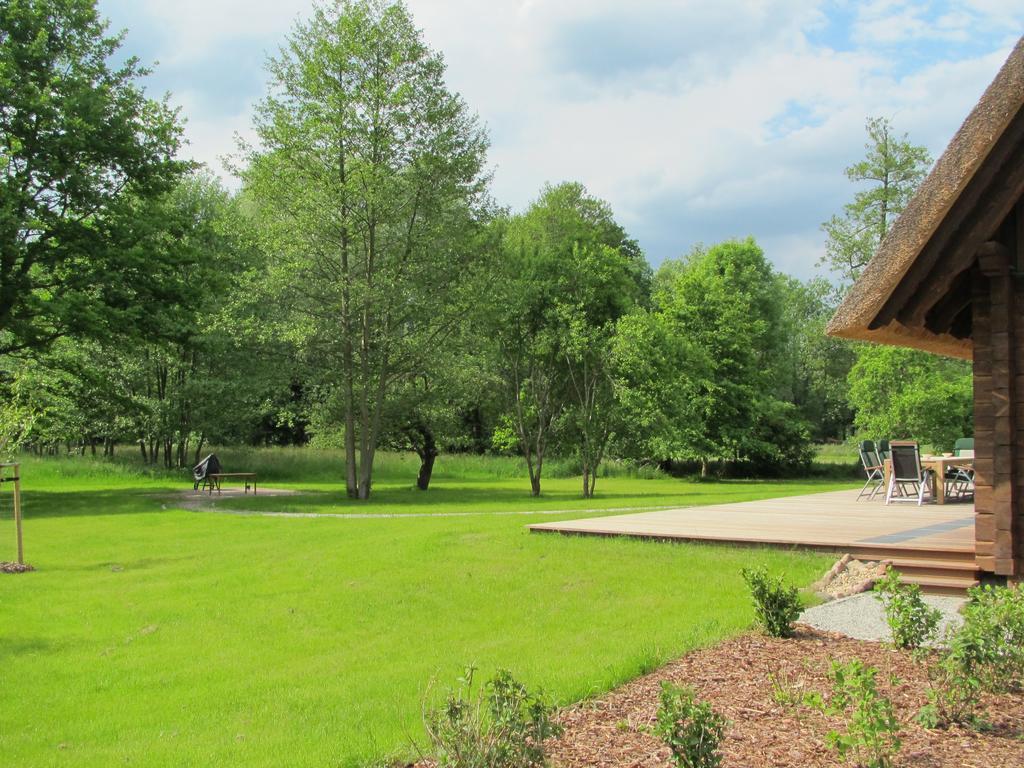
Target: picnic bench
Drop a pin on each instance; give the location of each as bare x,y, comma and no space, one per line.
209,474
216,478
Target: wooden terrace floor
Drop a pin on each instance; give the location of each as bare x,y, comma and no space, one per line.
833,521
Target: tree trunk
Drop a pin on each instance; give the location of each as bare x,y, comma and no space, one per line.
586,482
351,480
428,454
142,448
703,469
199,448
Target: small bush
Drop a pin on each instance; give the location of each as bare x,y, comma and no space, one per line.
953,687
690,728
985,654
776,604
871,739
498,725
911,621
994,629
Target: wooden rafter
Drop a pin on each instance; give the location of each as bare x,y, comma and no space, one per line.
943,313
977,213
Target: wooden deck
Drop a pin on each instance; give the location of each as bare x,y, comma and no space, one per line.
821,520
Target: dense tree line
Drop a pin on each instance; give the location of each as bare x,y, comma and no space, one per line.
361,289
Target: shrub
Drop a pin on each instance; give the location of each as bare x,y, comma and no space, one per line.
776,604
871,738
911,621
953,687
985,654
994,629
498,725
690,728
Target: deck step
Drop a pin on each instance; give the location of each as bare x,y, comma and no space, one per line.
941,584
936,564
907,555
937,572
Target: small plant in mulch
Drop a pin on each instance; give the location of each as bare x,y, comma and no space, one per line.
8,567
911,621
871,738
692,729
994,624
985,654
498,725
790,693
953,688
776,604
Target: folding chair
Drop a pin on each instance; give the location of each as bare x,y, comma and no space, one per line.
908,473
961,479
872,468
883,451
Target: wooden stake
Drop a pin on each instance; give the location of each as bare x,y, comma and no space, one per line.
17,512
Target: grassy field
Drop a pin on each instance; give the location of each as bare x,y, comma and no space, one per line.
156,636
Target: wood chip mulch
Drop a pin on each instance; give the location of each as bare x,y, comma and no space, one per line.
736,676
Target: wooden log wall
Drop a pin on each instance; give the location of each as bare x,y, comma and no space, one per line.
998,331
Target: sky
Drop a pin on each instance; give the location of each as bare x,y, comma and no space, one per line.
698,121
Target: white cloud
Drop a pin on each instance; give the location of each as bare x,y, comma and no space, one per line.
695,121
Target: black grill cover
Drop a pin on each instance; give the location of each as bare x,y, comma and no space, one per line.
208,466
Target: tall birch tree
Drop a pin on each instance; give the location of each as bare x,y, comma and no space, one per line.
370,180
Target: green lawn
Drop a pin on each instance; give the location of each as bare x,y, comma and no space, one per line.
160,637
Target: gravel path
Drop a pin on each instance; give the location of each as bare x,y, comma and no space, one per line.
861,616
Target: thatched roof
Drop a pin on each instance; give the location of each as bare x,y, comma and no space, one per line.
858,315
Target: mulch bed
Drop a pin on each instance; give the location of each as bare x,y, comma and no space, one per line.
736,677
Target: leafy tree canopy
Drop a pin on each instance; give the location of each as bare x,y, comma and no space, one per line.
900,393
371,191
83,152
891,171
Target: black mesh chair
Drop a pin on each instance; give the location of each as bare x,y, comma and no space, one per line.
883,451
872,468
908,481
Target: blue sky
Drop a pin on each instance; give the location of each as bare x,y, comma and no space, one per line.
697,121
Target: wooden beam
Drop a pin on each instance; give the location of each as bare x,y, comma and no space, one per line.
936,286
994,259
985,202
1018,261
991,210
963,324
942,314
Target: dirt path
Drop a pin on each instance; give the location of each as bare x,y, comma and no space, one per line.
202,502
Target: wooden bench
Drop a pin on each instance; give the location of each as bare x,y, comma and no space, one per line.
214,480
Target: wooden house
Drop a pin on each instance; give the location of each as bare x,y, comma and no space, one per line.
949,278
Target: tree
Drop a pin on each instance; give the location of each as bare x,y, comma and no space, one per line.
726,302
893,168
813,367
371,190
904,393
568,272
659,377
82,151
200,379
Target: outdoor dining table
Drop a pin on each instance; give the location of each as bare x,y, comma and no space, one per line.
938,465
